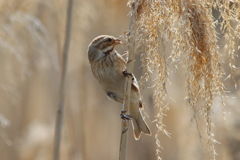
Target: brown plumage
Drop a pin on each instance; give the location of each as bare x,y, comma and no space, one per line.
107,67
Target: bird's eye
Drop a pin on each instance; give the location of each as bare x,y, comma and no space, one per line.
109,40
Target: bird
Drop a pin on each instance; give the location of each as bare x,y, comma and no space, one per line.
109,68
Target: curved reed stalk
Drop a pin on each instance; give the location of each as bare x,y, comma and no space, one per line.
60,110
128,82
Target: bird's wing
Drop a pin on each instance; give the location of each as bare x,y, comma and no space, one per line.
135,86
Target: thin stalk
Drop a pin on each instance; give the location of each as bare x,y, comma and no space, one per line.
127,89
60,110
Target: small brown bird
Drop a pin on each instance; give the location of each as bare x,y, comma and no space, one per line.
109,68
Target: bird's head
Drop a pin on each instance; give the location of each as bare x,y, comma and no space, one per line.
102,46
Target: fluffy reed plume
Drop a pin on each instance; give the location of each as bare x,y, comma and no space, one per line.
190,26
229,21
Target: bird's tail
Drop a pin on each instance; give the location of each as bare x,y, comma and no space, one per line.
139,126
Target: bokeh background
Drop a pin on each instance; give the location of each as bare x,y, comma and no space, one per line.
31,40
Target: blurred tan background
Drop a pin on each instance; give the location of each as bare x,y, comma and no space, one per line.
31,39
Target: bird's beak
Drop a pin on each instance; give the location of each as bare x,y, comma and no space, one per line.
117,41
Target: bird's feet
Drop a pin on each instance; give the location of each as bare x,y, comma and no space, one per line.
124,116
126,74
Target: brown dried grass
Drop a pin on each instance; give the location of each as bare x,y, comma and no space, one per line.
190,25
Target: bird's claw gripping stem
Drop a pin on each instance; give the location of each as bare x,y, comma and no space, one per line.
126,74
125,117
